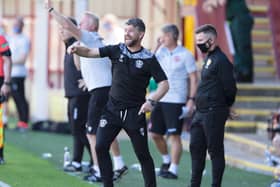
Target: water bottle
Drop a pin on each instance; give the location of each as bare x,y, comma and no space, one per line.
66,158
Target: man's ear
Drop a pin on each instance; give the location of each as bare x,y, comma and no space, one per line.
142,35
211,41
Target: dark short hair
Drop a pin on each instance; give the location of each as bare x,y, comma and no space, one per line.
20,21
137,23
73,20
208,29
173,29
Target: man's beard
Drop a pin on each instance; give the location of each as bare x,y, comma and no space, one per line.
132,43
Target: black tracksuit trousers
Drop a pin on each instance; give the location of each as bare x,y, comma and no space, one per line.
207,133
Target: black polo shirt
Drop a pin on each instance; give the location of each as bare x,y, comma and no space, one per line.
71,74
131,72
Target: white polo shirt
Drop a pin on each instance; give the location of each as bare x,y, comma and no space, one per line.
96,72
20,46
177,64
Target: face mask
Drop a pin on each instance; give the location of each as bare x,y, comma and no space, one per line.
107,26
16,29
204,47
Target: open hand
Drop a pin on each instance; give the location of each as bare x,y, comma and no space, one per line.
146,107
5,90
82,85
232,114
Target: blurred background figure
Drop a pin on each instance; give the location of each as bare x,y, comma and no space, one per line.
2,27
111,30
20,48
167,116
5,83
241,24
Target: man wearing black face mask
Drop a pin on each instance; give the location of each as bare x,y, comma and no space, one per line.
215,95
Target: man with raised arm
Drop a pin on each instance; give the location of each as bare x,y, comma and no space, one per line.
132,68
98,79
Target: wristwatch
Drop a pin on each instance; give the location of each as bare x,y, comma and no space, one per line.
191,98
152,102
7,83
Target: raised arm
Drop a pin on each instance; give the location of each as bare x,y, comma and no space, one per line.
63,21
83,51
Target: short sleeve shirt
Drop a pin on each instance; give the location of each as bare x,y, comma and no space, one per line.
131,73
20,46
177,65
95,71
71,74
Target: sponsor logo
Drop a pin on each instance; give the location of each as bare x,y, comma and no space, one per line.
209,61
177,59
139,64
103,123
171,130
121,59
142,131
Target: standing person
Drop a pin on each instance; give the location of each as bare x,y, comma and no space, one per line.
78,99
215,95
110,30
179,65
5,82
98,78
132,68
20,48
241,23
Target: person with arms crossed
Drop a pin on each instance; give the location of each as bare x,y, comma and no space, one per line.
167,116
215,96
132,68
98,79
5,82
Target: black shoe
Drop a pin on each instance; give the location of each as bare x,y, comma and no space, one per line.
2,161
169,175
92,178
119,173
72,168
91,171
163,168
